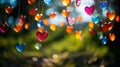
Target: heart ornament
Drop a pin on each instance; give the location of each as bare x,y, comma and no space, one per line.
42,36
71,20
89,10
20,47
4,27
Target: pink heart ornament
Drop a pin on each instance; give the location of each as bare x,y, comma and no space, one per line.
4,27
71,20
89,10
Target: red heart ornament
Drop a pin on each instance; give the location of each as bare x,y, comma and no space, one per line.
109,26
22,18
32,11
8,9
41,36
92,31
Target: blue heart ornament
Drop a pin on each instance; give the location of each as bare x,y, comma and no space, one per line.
20,47
104,40
103,5
40,24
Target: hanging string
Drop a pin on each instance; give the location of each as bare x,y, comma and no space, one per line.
18,8
4,13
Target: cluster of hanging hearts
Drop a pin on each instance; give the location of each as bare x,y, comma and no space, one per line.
96,25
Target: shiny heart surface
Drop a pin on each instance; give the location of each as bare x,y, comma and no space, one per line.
4,27
71,20
40,24
103,5
78,2
27,26
69,29
117,18
111,15
95,19
104,40
38,17
79,18
78,34
8,9
48,2
33,11
40,29
89,10
22,18
53,27
52,15
31,2
17,28
92,31
20,47
91,24
65,13
42,36
112,36
46,22
66,2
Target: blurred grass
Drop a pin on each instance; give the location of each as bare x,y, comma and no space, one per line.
58,42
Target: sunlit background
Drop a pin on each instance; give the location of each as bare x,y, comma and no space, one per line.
59,33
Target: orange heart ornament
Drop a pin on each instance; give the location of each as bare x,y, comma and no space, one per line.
53,27
31,2
69,29
38,17
91,24
112,36
27,26
78,34
52,14
8,9
46,22
65,13
66,2
111,15
17,28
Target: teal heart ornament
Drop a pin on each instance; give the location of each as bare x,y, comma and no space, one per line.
48,2
95,19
